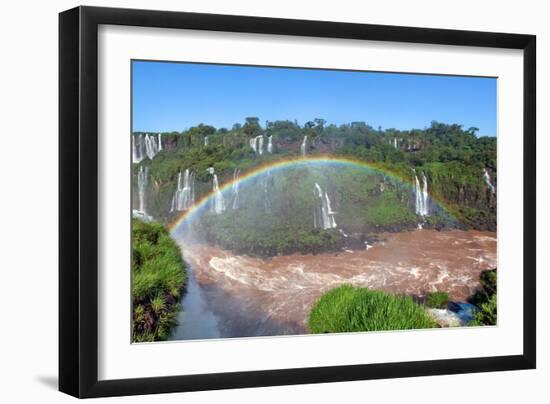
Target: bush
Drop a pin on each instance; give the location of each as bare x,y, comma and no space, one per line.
487,288
487,313
437,300
485,298
352,309
158,278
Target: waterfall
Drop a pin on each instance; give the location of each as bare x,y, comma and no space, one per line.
137,149
267,199
270,144
257,144
218,205
421,194
145,146
488,181
260,140
143,179
235,188
151,148
205,141
252,143
323,215
395,142
303,146
184,197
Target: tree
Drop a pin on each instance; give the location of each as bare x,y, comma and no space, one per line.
252,126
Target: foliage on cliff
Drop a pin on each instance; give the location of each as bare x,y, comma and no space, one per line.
451,158
158,278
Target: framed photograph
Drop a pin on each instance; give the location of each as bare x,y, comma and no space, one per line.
251,201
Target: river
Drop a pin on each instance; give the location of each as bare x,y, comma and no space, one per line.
232,295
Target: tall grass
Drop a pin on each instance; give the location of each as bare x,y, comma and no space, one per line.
352,309
158,277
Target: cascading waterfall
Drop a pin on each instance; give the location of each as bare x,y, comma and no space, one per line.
267,198
488,181
142,179
252,143
260,140
257,144
184,197
137,149
303,146
235,188
323,215
395,142
218,205
151,147
270,144
421,196
205,141
145,146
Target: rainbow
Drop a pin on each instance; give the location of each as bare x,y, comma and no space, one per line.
201,204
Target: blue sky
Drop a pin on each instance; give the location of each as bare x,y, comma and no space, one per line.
176,96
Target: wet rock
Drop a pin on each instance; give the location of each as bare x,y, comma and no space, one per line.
445,318
464,311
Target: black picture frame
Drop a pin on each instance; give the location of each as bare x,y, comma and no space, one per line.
78,201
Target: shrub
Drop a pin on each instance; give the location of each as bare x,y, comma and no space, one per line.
158,277
437,300
352,309
485,298
487,313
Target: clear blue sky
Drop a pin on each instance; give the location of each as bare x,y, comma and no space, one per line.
176,96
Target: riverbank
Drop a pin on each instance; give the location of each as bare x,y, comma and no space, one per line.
159,275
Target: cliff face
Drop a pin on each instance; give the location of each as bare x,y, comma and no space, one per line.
464,188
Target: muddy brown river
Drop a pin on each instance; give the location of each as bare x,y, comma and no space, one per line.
236,295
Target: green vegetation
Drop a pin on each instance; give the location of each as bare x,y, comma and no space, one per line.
268,238
366,201
486,299
158,278
351,309
437,300
487,315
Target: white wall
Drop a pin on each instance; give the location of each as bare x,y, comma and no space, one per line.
28,167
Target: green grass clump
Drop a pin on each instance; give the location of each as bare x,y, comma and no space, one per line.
437,300
352,309
158,277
